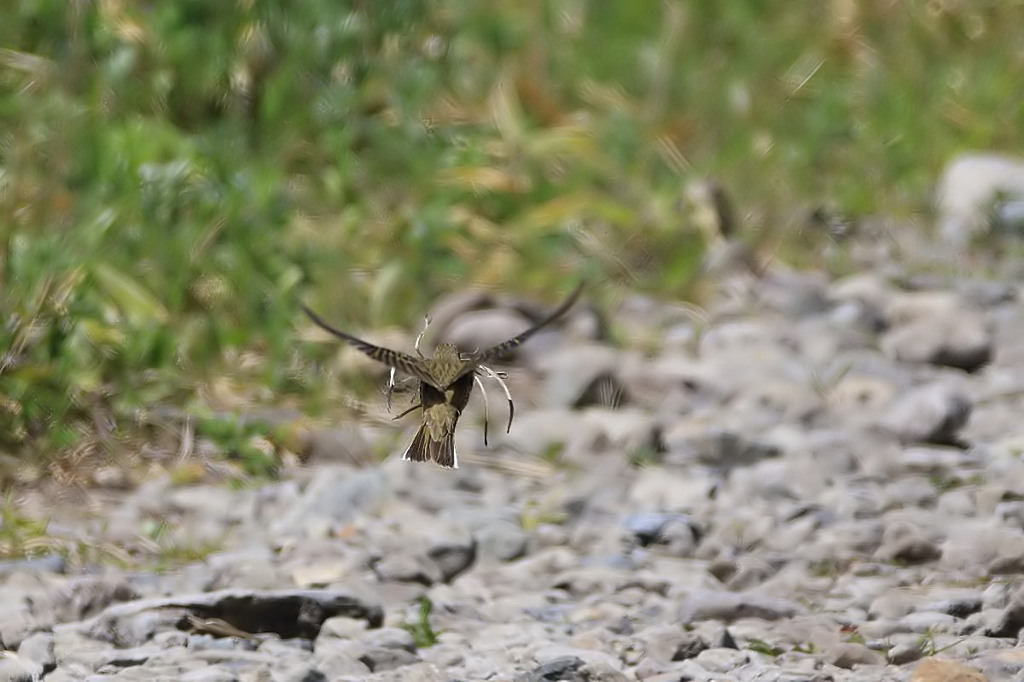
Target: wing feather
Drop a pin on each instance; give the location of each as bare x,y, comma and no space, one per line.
473,360
391,358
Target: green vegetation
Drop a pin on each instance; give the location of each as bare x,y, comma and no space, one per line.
174,177
23,536
423,634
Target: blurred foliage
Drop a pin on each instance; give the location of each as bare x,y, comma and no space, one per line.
173,176
27,537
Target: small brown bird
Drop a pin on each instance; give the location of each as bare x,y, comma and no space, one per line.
446,382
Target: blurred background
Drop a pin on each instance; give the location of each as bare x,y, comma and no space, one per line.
175,177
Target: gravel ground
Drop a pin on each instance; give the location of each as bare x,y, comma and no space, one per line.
813,479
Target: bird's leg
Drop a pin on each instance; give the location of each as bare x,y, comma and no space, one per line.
391,387
500,378
414,407
483,392
426,324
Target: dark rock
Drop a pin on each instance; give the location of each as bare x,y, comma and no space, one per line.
453,558
906,544
934,413
648,527
300,672
379,658
404,568
724,640
849,654
288,613
1012,620
565,669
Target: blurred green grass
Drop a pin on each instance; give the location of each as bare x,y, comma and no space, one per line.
174,177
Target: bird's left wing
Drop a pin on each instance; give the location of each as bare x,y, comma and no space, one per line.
392,358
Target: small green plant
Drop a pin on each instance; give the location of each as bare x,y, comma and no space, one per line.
536,513
552,454
243,441
24,537
853,635
762,647
929,647
165,553
644,456
422,632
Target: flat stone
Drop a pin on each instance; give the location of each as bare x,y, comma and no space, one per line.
702,605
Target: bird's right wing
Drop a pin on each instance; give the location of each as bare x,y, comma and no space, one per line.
391,358
474,360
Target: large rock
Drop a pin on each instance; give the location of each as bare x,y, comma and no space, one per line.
288,613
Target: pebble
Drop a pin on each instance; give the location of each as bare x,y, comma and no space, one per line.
819,481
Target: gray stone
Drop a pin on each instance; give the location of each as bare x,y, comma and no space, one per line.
1012,620
565,669
14,668
934,413
289,613
598,671
343,627
452,558
84,597
721,448
958,338
904,653
389,638
298,672
336,665
337,495
671,642
378,658
581,376
906,544
39,647
850,654
721,660
343,444
405,568
502,541
210,674
971,185
701,605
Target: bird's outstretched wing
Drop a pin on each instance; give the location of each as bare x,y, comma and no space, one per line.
474,360
391,358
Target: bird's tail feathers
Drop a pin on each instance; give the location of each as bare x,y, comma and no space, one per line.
424,449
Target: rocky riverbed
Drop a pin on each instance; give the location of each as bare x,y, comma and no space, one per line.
809,480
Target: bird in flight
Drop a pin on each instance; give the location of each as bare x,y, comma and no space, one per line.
446,382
